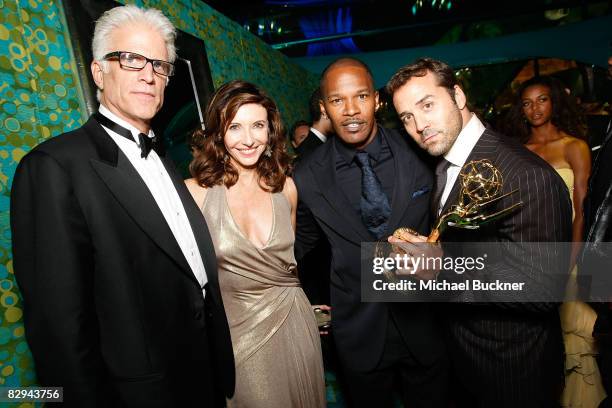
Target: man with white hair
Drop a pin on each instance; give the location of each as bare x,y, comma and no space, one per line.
113,258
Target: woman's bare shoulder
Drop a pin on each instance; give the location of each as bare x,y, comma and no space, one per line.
290,191
575,146
197,191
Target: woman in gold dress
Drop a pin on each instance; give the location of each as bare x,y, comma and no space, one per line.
547,121
240,183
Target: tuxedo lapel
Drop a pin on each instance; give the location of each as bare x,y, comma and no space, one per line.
342,217
126,185
197,222
403,183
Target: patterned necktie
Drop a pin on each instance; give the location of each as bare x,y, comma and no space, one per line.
375,208
145,142
440,183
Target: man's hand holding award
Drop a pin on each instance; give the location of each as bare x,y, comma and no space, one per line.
481,187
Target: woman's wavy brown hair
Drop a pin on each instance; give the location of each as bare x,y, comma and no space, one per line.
566,116
211,166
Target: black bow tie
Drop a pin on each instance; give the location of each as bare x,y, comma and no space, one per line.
145,142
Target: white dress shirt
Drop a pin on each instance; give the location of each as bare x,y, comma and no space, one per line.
459,152
159,183
319,134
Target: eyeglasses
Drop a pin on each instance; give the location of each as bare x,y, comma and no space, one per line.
131,60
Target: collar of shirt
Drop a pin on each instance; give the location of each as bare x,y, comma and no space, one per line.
135,132
469,135
373,149
319,134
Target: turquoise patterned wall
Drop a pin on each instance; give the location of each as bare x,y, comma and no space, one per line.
40,97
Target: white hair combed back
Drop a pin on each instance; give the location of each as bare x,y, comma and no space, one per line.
121,16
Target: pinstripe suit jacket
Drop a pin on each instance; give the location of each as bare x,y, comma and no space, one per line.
511,354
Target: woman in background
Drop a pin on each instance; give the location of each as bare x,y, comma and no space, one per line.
240,183
547,121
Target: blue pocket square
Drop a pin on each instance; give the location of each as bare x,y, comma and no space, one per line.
421,191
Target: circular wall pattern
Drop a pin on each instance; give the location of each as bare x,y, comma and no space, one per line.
33,56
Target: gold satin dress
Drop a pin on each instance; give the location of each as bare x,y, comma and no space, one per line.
276,342
583,387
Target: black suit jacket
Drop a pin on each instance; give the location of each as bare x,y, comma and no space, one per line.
314,268
360,328
598,204
596,258
308,145
511,353
112,311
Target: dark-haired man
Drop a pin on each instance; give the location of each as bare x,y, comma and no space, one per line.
320,129
503,354
350,192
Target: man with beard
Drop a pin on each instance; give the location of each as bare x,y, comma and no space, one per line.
503,354
350,191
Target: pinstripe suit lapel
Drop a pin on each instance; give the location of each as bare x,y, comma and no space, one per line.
486,148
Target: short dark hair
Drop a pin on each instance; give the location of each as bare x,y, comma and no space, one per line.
419,68
313,105
341,61
295,126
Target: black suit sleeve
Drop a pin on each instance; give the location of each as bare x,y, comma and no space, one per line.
308,233
53,261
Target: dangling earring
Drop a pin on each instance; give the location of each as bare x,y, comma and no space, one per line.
225,157
268,151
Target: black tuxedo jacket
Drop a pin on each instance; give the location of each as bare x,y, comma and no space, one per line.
511,353
308,145
112,311
360,328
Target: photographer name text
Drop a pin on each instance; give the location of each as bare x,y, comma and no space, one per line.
444,285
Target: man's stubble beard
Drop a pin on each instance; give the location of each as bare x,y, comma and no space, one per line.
455,124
